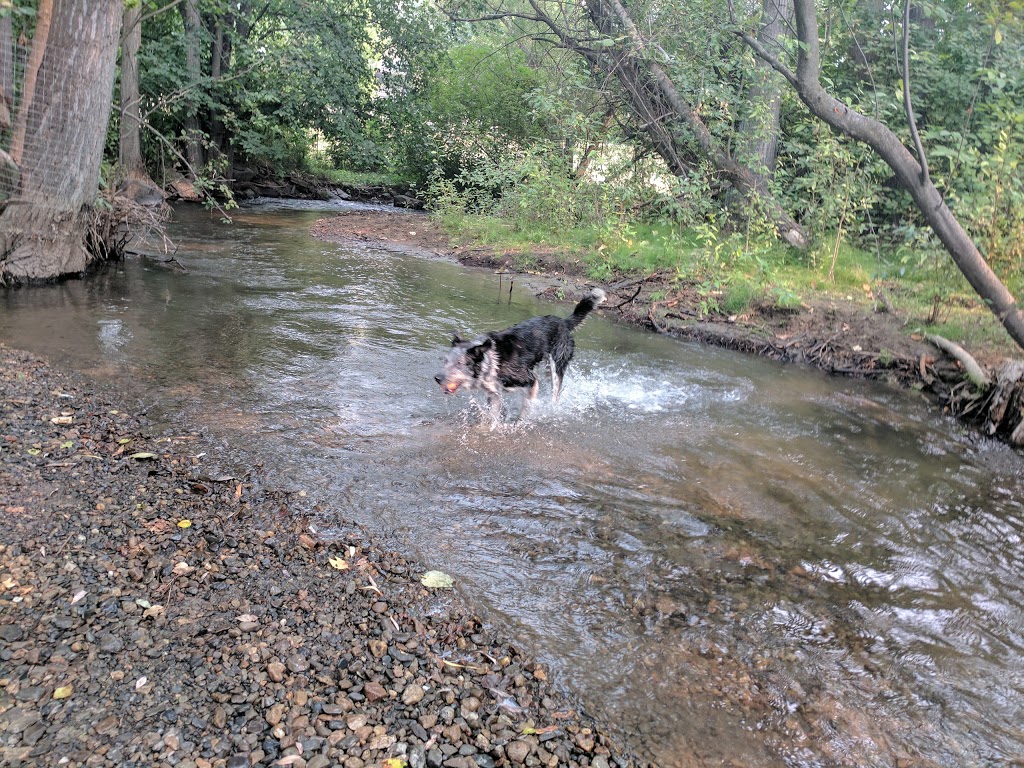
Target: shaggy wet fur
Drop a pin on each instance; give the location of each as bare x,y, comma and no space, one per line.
508,359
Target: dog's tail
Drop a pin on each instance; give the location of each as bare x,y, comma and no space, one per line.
585,307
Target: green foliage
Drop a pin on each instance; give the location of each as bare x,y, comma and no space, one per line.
470,119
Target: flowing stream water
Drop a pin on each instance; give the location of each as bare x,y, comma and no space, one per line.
729,561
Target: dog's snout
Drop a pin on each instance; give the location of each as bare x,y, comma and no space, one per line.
438,378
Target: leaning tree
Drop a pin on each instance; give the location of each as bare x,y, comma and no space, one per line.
52,163
909,166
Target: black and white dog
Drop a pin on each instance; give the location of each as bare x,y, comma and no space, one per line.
508,359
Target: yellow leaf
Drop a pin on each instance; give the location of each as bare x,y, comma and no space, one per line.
437,580
395,762
143,455
337,562
63,692
184,523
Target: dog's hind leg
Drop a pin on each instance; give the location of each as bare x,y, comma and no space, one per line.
556,379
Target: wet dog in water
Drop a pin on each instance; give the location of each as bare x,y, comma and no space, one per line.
508,359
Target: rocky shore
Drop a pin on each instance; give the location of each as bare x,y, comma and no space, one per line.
153,613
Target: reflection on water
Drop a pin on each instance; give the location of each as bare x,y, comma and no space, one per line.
738,563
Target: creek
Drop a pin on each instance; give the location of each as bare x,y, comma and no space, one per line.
727,560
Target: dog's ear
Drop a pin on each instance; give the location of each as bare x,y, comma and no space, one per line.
477,351
456,339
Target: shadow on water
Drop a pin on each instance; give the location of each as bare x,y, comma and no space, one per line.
737,563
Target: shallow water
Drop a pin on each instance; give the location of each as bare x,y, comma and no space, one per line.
731,561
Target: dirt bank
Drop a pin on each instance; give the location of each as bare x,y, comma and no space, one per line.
837,335
156,613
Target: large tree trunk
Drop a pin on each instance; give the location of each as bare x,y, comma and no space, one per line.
6,72
8,168
759,132
130,147
193,68
911,172
43,226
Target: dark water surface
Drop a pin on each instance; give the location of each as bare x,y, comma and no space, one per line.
732,562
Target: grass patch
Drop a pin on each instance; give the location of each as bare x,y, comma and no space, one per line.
929,292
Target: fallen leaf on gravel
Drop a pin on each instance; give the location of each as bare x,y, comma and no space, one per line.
395,762
437,580
339,563
124,441
63,692
78,596
142,455
34,451
155,611
529,729
62,419
141,682
184,523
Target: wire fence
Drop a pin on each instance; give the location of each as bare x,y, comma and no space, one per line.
41,131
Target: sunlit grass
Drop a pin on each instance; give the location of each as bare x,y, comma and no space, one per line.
930,294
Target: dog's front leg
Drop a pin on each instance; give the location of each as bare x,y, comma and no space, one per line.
494,407
528,398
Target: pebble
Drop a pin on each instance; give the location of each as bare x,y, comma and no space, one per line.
413,694
275,671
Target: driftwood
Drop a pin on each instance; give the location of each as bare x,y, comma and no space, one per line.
974,372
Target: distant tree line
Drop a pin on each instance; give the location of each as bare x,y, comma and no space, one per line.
752,112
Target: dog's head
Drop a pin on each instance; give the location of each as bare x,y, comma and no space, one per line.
464,364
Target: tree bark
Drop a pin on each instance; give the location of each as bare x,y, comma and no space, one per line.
908,171
193,69
759,132
6,71
130,147
43,227
44,17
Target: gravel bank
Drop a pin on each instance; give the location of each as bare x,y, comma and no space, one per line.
153,615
